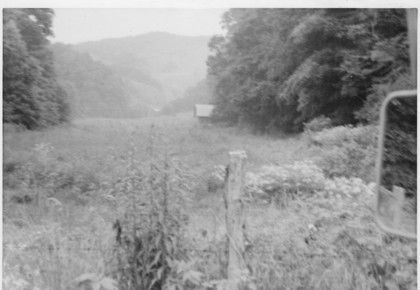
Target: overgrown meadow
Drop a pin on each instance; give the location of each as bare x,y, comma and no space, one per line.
138,204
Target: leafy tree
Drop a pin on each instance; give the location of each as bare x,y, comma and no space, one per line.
280,68
31,95
19,76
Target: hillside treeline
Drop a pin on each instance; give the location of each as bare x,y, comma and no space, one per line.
94,89
32,97
281,68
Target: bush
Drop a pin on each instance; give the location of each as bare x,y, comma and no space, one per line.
363,135
346,151
277,183
348,187
318,124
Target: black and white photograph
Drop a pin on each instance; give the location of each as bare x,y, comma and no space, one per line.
231,147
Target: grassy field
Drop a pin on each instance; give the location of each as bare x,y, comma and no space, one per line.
60,204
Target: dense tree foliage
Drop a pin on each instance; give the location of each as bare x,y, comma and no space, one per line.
31,96
281,68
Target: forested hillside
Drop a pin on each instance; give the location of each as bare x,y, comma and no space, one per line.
201,93
95,90
162,63
32,97
132,76
281,68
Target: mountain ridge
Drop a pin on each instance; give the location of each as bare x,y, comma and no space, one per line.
157,32
143,73
177,62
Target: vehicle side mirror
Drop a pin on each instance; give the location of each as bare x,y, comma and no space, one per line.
396,165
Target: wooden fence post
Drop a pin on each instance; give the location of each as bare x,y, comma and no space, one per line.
235,219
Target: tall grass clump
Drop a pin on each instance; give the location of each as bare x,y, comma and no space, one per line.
42,173
149,231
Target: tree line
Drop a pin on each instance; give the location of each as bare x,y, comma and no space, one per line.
274,68
32,98
277,69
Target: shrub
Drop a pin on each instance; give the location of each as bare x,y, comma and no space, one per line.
336,136
279,183
274,183
348,187
318,124
346,151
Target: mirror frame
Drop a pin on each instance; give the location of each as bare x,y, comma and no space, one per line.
380,155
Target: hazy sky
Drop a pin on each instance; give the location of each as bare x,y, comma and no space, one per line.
72,25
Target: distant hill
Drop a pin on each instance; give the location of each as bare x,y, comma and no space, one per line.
97,90
167,64
201,93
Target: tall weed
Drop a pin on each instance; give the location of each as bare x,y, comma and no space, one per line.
149,229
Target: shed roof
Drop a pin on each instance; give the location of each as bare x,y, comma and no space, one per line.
203,110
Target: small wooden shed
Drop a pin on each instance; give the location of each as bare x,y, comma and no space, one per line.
203,112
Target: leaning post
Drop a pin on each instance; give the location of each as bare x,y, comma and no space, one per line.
235,219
